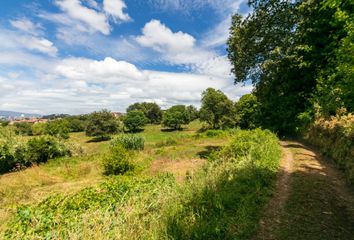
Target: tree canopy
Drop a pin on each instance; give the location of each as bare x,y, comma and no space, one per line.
175,117
101,124
217,109
135,120
298,56
152,111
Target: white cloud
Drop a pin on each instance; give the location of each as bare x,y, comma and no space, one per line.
90,18
93,20
181,48
27,26
39,44
13,43
106,71
175,47
157,36
187,6
115,9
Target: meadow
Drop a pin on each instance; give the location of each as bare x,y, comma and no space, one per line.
184,185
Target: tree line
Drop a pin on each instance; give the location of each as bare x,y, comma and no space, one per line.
299,55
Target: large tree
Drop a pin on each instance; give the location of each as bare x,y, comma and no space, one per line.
102,124
175,117
217,109
135,120
152,111
286,48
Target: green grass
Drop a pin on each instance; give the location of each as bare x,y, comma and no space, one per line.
223,200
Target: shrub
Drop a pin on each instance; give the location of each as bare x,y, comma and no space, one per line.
38,129
175,117
41,149
129,141
135,120
335,138
102,124
117,161
152,111
23,128
57,128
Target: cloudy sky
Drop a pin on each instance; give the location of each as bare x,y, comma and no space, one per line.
77,56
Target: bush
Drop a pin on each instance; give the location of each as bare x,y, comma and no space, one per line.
38,129
41,149
117,161
335,138
129,141
57,128
23,128
135,120
102,124
175,117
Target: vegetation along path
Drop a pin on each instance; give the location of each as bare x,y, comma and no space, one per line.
311,200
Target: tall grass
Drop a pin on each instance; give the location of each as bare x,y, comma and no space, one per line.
221,201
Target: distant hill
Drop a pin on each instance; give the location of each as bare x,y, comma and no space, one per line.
10,114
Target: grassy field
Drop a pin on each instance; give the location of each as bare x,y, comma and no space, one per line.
179,189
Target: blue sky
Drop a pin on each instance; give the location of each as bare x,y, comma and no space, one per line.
77,56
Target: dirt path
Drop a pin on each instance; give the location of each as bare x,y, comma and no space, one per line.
311,200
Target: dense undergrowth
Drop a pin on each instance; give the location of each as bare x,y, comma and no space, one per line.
335,138
223,200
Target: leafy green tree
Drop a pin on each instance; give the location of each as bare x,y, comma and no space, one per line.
217,109
76,124
135,120
193,112
23,128
57,128
38,129
102,124
293,52
152,111
247,111
175,117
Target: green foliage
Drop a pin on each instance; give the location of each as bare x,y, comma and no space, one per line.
152,111
76,123
4,123
117,161
57,128
23,128
38,129
166,142
298,55
129,141
101,124
247,112
192,112
41,149
229,192
175,117
135,120
216,109
335,138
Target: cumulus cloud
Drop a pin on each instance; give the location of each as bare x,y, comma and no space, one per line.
91,17
107,70
181,48
157,36
115,9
